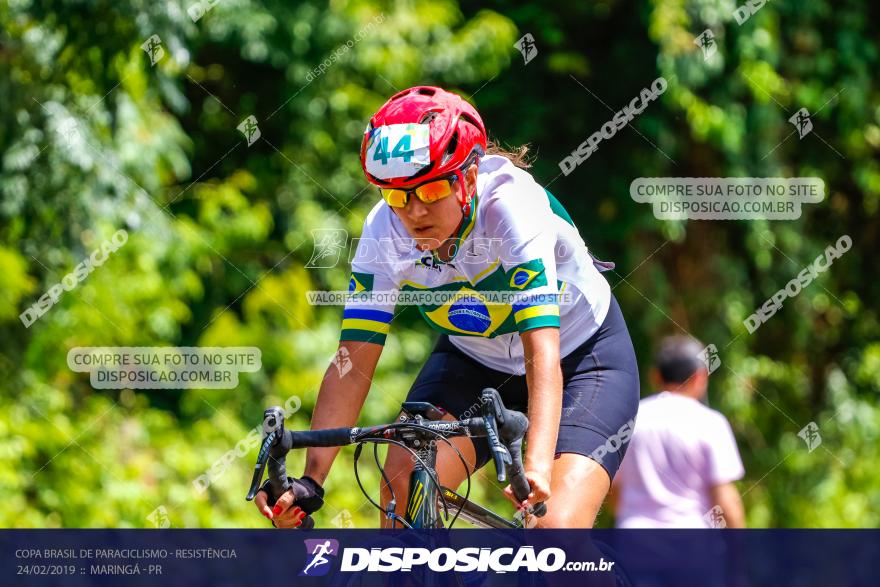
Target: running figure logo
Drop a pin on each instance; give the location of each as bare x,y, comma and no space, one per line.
810,435
319,552
329,244
153,48
706,42
802,122
526,45
715,517
248,127
710,358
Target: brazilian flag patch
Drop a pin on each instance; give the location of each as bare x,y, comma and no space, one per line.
360,282
527,275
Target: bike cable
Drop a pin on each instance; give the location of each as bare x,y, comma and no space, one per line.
431,474
467,472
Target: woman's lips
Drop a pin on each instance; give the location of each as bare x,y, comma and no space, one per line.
423,229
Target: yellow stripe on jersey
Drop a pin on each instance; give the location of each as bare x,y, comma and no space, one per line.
362,324
535,311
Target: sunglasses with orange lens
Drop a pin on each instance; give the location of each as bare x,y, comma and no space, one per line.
428,193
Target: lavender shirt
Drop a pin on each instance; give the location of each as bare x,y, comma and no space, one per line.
679,451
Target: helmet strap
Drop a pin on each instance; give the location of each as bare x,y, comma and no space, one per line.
464,198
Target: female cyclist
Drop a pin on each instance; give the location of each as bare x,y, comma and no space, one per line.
463,222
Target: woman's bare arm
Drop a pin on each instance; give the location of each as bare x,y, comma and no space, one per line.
544,380
343,391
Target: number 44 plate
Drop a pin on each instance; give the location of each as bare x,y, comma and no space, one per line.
398,150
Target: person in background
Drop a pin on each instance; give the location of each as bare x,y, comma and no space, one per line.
682,462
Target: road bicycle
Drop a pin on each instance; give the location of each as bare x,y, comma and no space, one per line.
418,430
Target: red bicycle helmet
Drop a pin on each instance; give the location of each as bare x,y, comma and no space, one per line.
455,132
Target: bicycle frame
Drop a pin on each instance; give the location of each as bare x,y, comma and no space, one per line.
421,504
424,502
475,514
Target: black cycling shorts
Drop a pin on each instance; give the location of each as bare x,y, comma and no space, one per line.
600,391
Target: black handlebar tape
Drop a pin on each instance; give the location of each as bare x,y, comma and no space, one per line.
515,426
512,426
277,469
475,427
518,482
328,437
277,464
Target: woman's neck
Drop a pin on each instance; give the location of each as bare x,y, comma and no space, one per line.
444,251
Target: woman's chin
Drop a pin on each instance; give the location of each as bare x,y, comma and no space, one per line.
426,243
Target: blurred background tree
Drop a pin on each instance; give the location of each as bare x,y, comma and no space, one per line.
95,137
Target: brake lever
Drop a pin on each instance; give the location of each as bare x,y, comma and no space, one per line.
500,454
260,467
273,429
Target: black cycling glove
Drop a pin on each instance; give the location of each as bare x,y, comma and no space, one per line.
308,495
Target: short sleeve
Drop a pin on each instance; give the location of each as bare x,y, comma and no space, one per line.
725,464
527,236
367,315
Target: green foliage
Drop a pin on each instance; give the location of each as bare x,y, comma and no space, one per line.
95,138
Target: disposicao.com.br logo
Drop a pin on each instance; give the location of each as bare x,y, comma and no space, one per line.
469,559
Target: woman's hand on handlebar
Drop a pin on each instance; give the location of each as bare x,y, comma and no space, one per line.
540,489
303,497
282,515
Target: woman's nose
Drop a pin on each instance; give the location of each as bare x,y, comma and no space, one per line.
415,208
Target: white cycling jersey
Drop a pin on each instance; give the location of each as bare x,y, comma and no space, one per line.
517,242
